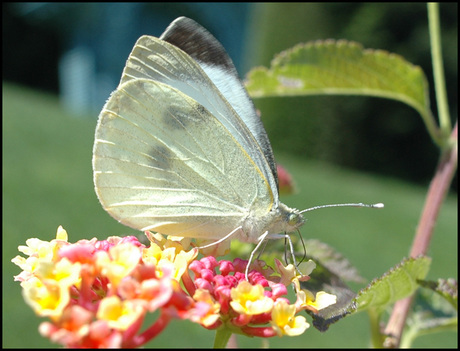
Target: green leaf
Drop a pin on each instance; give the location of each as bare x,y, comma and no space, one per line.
396,284
345,68
399,282
447,288
340,67
434,310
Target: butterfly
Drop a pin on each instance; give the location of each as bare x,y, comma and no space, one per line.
180,149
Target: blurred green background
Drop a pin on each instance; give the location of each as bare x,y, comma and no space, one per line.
47,177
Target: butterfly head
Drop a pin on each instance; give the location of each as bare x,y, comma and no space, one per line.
292,219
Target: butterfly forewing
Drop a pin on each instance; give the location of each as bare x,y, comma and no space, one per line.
209,53
155,59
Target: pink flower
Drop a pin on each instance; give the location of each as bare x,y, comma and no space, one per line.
97,293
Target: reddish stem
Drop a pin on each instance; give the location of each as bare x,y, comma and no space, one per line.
263,332
437,191
188,283
150,333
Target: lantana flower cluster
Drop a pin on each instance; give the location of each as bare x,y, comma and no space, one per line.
98,293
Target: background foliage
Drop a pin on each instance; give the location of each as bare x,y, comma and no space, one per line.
349,131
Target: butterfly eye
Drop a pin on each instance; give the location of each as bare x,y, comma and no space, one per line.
294,219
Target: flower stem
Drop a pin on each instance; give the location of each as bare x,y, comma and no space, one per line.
151,332
222,336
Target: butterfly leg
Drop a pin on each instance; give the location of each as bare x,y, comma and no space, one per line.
261,240
221,239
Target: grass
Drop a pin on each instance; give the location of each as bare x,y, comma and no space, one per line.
47,182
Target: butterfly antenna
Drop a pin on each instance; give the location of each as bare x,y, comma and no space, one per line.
378,205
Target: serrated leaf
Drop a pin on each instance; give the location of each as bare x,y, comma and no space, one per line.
396,284
432,311
341,67
447,288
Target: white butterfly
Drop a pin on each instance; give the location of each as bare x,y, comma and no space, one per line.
180,150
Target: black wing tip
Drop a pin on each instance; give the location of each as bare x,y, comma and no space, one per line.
197,42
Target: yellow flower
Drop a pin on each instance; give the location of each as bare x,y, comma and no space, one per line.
250,299
167,253
119,314
179,242
39,250
285,322
63,272
209,248
211,312
152,254
289,274
45,299
119,262
62,234
181,262
49,291
306,300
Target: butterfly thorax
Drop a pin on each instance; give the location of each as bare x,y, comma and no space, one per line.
279,220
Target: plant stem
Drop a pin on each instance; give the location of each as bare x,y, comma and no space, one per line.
437,191
223,334
439,185
438,69
376,334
